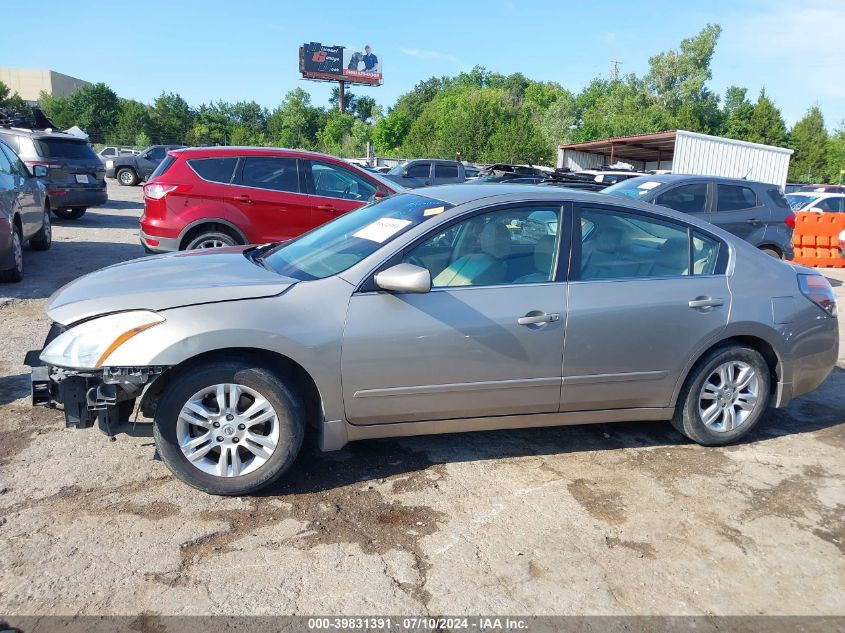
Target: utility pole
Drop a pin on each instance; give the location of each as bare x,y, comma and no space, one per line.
614,70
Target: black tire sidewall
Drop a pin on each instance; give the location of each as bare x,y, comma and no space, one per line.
134,180
216,233
287,404
687,419
45,235
14,274
70,214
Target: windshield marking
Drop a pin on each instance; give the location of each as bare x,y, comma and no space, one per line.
381,229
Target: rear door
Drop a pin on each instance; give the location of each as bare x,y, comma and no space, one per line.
149,160
269,197
417,175
446,173
26,193
335,189
738,210
642,302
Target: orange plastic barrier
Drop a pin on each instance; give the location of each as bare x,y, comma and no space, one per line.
816,239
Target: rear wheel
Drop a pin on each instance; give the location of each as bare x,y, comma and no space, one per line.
127,177
15,273
210,237
725,395
229,428
42,241
771,252
70,214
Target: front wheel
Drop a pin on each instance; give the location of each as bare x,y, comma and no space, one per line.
724,397
127,177
15,273
229,428
42,241
70,214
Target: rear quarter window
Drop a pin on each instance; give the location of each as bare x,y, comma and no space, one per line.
777,198
213,169
61,148
163,166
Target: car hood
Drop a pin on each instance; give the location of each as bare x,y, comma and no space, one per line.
166,281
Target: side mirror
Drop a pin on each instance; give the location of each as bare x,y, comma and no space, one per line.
404,278
379,194
39,171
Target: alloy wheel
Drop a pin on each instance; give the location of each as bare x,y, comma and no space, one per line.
728,396
227,430
17,250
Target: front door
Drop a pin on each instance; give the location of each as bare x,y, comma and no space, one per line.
645,294
487,340
336,190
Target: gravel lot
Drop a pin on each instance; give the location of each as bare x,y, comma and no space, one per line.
610,519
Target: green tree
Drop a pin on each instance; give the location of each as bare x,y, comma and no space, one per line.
350,99
558,122
296,123
338,126
366,109
517,140
389,132
737,113
836,154
12,101
171,119
132,120
766,125
808,137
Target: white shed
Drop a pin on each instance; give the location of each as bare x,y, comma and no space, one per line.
682,152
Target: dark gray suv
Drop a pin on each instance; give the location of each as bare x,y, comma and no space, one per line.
75,177
754,211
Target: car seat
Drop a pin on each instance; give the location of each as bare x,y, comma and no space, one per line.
480,269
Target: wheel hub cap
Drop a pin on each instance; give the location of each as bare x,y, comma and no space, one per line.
728,396
227,430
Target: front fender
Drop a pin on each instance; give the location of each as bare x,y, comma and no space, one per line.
304,325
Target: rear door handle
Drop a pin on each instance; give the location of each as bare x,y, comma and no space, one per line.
754,221
326,207
534,319
244,199
706,302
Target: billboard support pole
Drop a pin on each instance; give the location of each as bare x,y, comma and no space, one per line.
341,101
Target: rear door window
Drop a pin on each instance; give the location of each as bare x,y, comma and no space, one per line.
109,151
445,171
691,198
270,172
63,148
734,198
214,169
830,205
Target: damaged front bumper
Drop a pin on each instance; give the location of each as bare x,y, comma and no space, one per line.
104,396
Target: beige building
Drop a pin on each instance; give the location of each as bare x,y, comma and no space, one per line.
29,83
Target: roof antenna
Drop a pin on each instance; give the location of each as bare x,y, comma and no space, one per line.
748,173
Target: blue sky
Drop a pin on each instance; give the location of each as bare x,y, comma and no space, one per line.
248,50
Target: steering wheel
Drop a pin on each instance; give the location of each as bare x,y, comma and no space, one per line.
346,191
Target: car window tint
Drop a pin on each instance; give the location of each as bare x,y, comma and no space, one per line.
61,148
214,169
421,170
513,246
333,181
5,164
157,153
16,163
691,198
445,171
109,151
621,245
830,205
267,172
734,198
778,198
705,254
11,140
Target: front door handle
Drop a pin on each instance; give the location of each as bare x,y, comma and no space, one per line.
244,199
535,319
706,302
326,207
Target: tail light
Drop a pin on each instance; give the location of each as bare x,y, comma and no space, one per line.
790,221
33,163
817,289
156,191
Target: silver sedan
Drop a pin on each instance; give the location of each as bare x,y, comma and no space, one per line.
456,308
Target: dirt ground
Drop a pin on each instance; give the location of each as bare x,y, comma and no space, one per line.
602,519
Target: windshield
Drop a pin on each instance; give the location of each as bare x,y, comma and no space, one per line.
397,171
797,201
635,188
64,148
342,243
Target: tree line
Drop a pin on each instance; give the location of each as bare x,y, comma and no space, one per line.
479,115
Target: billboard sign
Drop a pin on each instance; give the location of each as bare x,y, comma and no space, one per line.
340,63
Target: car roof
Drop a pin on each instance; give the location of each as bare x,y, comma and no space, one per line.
667,178
236,150
41,134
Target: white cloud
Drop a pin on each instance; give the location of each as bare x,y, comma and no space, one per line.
420,53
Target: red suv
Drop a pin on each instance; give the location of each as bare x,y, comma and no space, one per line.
222,196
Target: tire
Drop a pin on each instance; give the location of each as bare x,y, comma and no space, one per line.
70,214
127,177
44,237
283,427
210,237
15,274
693,413
771,252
